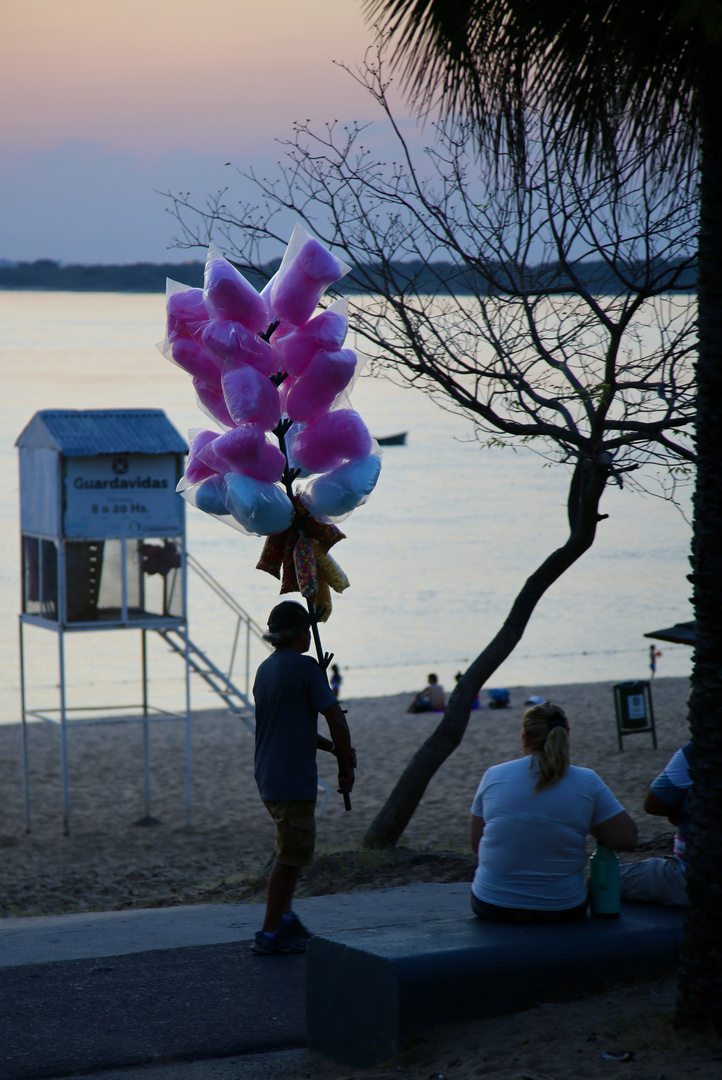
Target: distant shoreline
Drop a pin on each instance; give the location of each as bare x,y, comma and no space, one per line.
432,279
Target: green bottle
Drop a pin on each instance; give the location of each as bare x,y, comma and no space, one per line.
604,881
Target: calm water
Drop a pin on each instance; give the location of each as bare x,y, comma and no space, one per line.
435,558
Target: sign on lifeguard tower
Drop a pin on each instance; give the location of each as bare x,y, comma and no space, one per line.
121,495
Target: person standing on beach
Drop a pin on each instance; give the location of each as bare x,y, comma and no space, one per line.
336,680
654,654
290,690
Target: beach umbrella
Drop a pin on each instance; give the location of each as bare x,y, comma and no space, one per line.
679,634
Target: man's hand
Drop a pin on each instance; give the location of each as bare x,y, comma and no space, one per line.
354,760
346,780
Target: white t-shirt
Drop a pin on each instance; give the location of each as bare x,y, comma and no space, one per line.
533,853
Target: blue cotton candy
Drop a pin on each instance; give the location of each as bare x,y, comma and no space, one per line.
342,490
210,496
258,506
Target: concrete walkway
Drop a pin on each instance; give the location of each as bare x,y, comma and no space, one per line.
85,993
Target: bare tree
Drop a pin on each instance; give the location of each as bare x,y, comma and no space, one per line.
552,312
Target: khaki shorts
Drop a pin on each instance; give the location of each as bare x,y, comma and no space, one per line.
295,831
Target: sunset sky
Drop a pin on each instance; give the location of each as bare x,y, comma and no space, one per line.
106,102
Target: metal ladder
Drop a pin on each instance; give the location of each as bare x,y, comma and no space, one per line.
222,683
237,702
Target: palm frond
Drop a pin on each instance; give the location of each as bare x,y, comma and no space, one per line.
616,73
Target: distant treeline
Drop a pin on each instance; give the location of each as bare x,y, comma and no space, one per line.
432,278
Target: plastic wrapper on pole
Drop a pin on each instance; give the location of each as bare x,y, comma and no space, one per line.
327,331
251,398
231,345
306,271
213,403
228,295
337,493
331,439
261,508
186,311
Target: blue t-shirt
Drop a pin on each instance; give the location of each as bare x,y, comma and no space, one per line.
533,852
672,786
290,691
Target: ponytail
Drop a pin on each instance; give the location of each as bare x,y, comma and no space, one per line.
547,730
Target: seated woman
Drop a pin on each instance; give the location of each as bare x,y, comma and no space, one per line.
529,821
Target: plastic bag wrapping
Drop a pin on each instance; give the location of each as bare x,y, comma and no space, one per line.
247,450
244,450
330,439
336,493
230,344
227,294
212,403
190,356
186,312
330,570
342,400
196,468
307,269
253,507
296,346
325,377
260,507
251,398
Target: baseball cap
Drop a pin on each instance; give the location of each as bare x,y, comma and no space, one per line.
288,615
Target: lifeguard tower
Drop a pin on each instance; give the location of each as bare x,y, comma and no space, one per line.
103,548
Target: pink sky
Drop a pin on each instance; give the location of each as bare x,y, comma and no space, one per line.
105,104
150,75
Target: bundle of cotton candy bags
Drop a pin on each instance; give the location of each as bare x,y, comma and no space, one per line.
257,359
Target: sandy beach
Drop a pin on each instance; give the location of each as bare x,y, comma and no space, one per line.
108,862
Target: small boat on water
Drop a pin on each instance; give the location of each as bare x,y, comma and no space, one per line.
393,440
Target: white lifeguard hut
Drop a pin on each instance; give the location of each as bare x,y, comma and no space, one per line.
103,548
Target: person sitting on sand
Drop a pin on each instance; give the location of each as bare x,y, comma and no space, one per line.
529,822
664,881
431,699
290,691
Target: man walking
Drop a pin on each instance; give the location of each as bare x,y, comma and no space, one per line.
290,690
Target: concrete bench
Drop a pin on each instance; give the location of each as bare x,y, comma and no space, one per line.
369,991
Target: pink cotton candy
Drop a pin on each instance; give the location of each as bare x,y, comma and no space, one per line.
327,374
196,467
229,296
197,361
213,400
251,398
325,331
269,468
239,447
186,313
297,291
330,439
230,343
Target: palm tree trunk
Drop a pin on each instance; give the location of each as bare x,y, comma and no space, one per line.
699,1003
586,489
